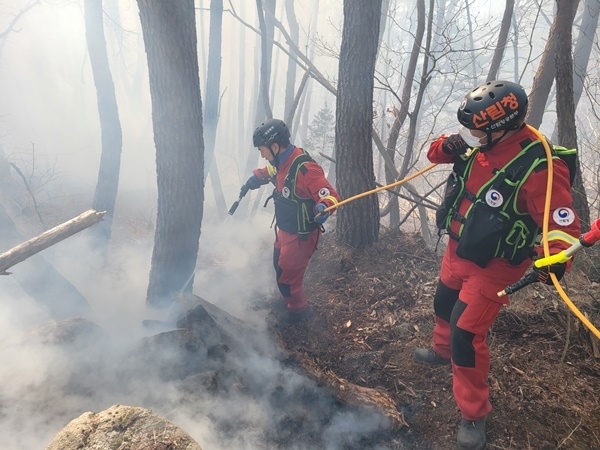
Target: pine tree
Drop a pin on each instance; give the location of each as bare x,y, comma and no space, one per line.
321,140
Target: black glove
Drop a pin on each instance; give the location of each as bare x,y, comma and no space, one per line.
454,145
543,273
254,182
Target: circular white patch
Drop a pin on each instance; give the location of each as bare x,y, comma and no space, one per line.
494,198
563,216
324,192
285,192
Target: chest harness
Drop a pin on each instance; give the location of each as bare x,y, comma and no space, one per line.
492,226
293,213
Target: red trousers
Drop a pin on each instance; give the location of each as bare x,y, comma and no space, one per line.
291,255
466,305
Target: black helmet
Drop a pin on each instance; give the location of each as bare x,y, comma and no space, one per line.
270,131
494,106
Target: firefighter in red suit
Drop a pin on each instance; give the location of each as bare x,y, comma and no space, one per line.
493,211
301,195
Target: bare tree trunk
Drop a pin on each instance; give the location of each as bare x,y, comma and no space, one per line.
40,280
241,116
53,236
169,31
414,120
401,115
266,35
110,125
583,49
502,39
358,221
567,131
584,44
290,85
211,104
213,83
263,107
543,80
472,42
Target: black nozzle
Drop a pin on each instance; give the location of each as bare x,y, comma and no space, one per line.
234,207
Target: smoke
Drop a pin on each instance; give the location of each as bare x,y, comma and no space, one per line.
245,396
246,399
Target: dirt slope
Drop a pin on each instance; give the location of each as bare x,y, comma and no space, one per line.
374,307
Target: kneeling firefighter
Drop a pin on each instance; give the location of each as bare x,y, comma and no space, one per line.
493,213
301,195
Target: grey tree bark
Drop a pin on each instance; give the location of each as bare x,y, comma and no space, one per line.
290,82
211,104
169,31
266,50
543,80
502,39
110,125
402,113
584,44
263,107
583,50
567,131
358,221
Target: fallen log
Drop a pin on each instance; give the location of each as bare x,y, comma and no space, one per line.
353,394
36,244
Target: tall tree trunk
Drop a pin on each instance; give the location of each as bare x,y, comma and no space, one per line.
266,51
414,120
401,115
567,131
263,106
543,80
211,104
110,125
169,31
584,44
241,111
358,221
583,49
290,84
502,39
472,42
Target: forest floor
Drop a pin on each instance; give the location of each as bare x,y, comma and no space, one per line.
374,306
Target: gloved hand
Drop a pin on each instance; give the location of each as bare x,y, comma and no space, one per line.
543,273
455,145
321,216
254,182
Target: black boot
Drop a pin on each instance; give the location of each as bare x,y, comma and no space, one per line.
471,434
290,316
429,356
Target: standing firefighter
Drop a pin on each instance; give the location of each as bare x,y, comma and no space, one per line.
493,212
301,195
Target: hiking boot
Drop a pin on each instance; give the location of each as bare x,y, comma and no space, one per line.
279,306
471,434
429,356
289,316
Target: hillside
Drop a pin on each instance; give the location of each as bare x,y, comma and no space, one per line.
374,307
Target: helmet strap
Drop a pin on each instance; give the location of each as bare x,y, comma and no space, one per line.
492,142
275,160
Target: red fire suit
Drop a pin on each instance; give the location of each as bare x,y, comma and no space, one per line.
292,251
466,302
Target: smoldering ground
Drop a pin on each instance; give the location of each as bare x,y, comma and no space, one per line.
219,376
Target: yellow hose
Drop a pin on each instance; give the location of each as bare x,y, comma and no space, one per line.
557,285
381,188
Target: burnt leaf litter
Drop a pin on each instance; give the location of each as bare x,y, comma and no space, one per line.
374,306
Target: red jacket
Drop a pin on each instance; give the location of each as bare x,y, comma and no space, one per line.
309,184
532,195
